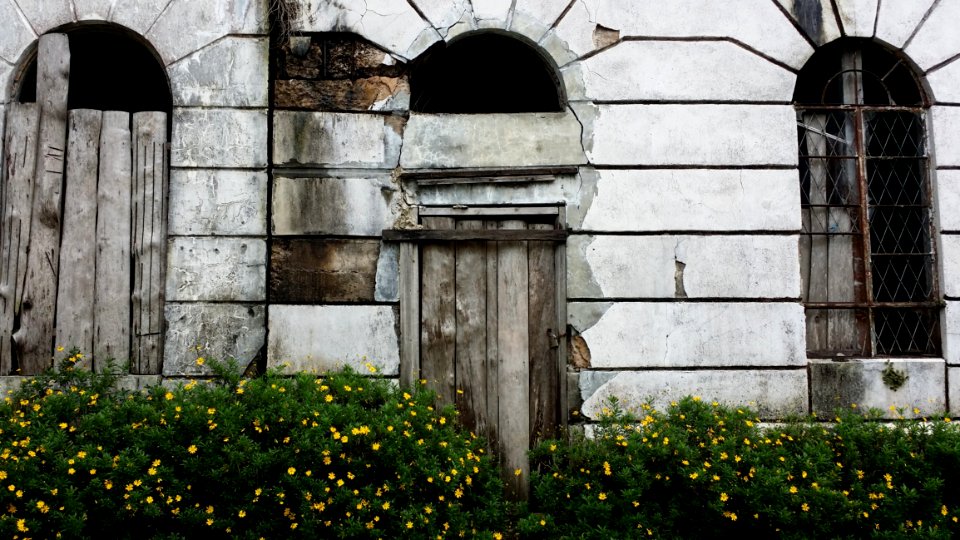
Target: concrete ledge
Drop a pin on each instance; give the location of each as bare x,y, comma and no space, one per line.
840,384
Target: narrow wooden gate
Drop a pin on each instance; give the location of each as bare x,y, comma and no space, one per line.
82,236
489,329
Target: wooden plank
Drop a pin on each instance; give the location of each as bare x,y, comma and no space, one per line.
488,172
492,360
19,165
112,294
501,235
34,339
544,336
489,211
149,228
75,296
560,280
438,312
471,341
514,368
409,314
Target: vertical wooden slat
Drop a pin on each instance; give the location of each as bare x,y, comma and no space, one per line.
514,369
560,286
77,250
492,359
19,162
471,341
112,304
438,327
148,245
544,332
34,338
409,314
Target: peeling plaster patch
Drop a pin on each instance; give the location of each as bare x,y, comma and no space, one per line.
680,291
604,37
580,279
592,381
581,201
773,393
388,273
579,353
587,114
585,315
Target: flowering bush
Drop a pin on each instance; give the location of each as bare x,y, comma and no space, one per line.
704,470
275,457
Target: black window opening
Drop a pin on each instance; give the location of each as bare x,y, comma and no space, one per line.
867,246
110,69
484,73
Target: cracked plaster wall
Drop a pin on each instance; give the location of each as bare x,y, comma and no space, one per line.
684,211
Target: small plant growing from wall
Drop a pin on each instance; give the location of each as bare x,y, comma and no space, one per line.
893,378
282,13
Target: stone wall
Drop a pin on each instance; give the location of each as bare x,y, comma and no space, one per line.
683,273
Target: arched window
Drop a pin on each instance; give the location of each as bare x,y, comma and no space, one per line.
867,245
484,73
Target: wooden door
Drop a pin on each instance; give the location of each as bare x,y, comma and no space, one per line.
488,330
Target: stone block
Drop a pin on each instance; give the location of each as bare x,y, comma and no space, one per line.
216,269
821,30
953,390
719,266
573,36
729,135
15,38
768,31
219,138
698,70
443,14
896,21
348,206
951,333
218,331
327,338
491,140
489,12
943,83
858,16
946,139
96,10
948,199
685,334
772,393
218,202
677,200
936,40
838,385
563,189
335,139
186,26
45,15
388,273
545,12
395,26
137,15
950,262
229,73
316,270
358,95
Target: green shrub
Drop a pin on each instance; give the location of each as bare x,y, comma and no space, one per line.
704,470
274,457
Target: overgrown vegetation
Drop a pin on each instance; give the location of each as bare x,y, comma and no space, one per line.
342,457
702,470
353,456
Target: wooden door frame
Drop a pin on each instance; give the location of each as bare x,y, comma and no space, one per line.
409,267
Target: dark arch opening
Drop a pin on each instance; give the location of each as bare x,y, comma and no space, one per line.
888,78
111,68
484,73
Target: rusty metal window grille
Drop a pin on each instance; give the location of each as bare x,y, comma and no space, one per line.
868,254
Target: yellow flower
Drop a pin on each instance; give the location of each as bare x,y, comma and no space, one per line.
149,499
602,496
200,361
192,449
943,510
724,497
517,472
497,536
805,507
386,506
793,489
242,513
22,525
168,396
291,471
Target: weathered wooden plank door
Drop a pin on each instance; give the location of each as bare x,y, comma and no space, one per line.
97,281
489,321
